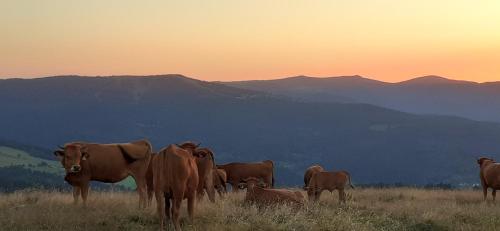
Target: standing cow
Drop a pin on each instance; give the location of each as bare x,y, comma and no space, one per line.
237,172
309,172
175,178
108,163
490,176
328,181
206,164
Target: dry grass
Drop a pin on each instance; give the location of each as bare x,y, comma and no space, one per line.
368,209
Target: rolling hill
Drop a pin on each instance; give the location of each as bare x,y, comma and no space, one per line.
375,144
423,95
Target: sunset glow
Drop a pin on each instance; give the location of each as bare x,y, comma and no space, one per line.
236,40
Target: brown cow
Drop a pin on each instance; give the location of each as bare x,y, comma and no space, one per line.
309,172
490,176
328,181
237,172
175,177
266,196
109,163
206,164
220,179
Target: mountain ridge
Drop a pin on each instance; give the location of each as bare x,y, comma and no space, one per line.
421,95
247,125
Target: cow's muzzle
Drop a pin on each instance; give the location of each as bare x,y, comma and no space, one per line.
76,168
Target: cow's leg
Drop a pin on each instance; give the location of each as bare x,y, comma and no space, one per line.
224,188
175,212
142,188
191,200
150,197
341,195
209,187
219,191
168,207
234,187
494,194
200,194
160,208
177,197
269,181
85,193
485,192
76,194
317,194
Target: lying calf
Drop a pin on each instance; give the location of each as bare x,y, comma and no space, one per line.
259,194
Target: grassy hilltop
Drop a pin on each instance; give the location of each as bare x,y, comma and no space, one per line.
367,209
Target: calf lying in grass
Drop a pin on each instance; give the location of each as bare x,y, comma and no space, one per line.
265,196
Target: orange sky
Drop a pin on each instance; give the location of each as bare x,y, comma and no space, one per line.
260,39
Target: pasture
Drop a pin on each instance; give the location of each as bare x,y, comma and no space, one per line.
366,209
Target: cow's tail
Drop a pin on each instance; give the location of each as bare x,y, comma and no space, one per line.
272,174
349,182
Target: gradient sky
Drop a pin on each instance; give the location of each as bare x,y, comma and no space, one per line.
235,40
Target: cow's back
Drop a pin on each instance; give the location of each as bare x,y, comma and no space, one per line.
310,171
329,180
106,163
173,169
237,171
137,149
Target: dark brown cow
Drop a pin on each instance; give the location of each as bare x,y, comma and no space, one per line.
175,178
309,172
109,163
206,164
220,179
328,181
490,176
266,196
237,172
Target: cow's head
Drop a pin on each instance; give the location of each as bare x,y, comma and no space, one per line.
484,160
71,157
204,153
189,145
250,182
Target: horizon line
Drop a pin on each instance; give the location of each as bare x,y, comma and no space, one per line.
248,80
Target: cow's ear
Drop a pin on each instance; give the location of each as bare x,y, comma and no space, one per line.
59,154
85,153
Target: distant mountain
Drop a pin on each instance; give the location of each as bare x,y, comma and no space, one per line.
423,95
375,144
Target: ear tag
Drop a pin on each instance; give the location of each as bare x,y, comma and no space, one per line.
84,158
